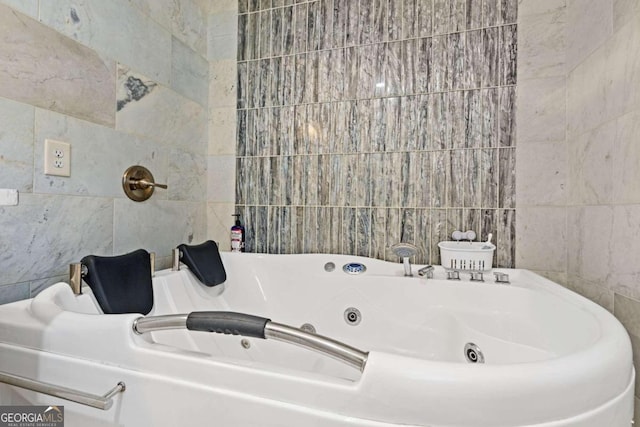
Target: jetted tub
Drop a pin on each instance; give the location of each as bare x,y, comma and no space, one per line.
551,357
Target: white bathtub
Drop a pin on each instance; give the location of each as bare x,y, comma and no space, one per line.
552,358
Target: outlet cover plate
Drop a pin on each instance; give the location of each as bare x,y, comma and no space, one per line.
57,158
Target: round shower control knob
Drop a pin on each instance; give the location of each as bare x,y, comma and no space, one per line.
457,235
470,235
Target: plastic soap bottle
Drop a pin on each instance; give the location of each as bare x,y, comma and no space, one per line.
237,235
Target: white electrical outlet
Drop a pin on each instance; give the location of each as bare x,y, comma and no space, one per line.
57,158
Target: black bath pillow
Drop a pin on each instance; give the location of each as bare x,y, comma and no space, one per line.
204,262
121,284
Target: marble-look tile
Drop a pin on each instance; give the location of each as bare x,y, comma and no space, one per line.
591,165
275,222
97,153
351,10
185,19
223,47
223,130
439,78
243,6
626,157
223,23
56,72
284,232
424,18
27,7
423,125
189,73
393,233
626,310
489,178
490,117
623,271
300,12
526,8
187,176
423,190
116,29
219,221
408,124
408,226
472,176
541,112
261,229
242,178
131,230
541,174
14,292
490,12
507,57
441,171
623,12
310,240
473,59
507,119
394,20
589,24
542,45
439,233
439,121
265,32
393,69
455,180
363,232
408,69
44,233
250,46
490,69
220,172
588,255
423,235
156,112
507,178
473,120
449,16
457,119
16,145
506,246
474,15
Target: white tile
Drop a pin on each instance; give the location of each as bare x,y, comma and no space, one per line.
589,24
46,69
221,179
161,114
115,29
541,238
222,131
99,157
542,45
541,174
28,7
222,85
16,145
157,225
541,112
590,158
189,73
223,23
44,234
187,176
219,222
527,8
223,48
626,159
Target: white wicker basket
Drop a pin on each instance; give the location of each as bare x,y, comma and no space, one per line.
467,256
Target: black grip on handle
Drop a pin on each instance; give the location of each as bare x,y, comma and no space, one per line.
227,322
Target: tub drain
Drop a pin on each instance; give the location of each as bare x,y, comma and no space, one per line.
473,354
352,316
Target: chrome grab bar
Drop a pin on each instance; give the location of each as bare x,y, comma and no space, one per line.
258,327
103,402
335,349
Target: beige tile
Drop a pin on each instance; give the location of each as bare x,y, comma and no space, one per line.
591,166
541,114
44,68
526,8
541,238
626,158
222,131
219,222
16,145
589,24
541,174
627,310
589,244
542,45
624,11
222,83
221,179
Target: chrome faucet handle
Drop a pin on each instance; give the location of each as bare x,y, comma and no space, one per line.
501,277
477,276
453,275
426,271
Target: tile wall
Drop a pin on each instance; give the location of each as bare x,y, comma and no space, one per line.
366,123
578,191
125,82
